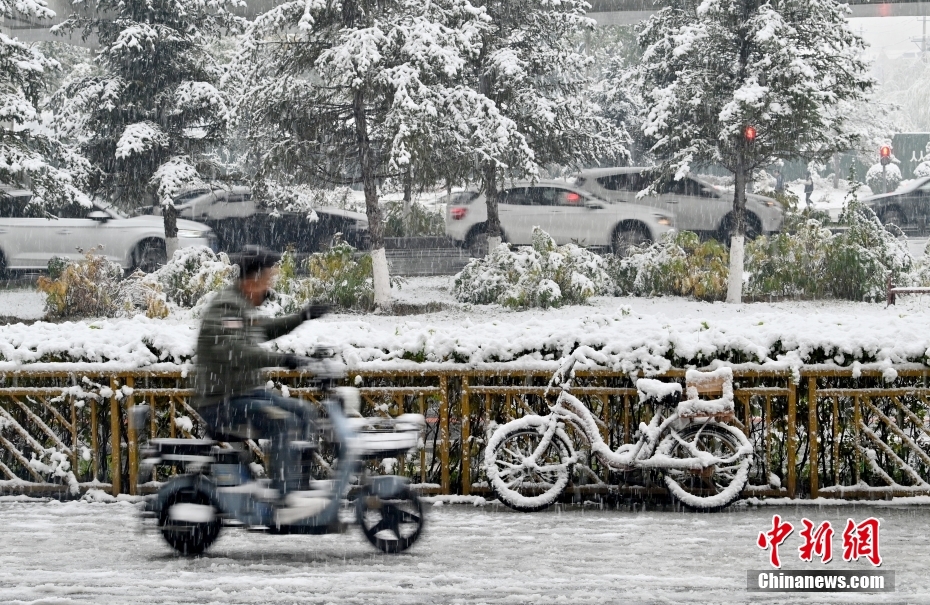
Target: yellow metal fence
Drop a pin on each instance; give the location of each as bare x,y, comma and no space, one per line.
828,433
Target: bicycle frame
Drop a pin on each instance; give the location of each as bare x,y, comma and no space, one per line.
641,454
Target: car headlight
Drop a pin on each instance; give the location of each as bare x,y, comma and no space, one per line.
771,203
664,220
193,233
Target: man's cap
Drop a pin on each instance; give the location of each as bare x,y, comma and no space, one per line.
254,258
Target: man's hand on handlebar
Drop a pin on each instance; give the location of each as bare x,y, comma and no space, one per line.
313,311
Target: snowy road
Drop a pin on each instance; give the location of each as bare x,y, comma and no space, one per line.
66,553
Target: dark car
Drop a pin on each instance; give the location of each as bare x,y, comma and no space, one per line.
238,220
908,208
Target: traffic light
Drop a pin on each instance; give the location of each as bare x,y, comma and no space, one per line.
885,154
750,133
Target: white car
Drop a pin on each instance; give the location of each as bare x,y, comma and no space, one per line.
239,220
30,236
567,213
698,206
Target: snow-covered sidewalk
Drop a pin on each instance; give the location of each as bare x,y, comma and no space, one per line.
83,553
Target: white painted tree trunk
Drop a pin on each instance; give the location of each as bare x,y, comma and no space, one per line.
171,246
382,280
493,243
735,280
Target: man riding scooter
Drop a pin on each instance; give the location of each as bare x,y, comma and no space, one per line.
229,391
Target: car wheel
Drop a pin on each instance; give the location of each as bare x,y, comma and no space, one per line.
893,216
150,255
476,242
627,236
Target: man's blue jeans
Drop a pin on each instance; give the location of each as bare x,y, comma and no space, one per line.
264,414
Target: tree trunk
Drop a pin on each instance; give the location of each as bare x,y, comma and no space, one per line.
737,237
493,225
170,214
381,276
836,171
408,199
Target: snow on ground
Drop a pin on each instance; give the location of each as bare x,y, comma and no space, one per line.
633,333
25,303
91,553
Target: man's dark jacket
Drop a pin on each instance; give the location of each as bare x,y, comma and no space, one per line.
229,358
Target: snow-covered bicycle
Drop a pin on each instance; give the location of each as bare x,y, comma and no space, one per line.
705,462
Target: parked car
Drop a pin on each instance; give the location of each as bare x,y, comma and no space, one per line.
567,213
698,205
239,220
908,208
30,235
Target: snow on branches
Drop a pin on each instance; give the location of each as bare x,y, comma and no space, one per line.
30,155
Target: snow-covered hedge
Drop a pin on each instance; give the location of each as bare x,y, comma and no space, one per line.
873,178
680,265
335,276
94,286
82,289
542,275
808,260
192,273
419,221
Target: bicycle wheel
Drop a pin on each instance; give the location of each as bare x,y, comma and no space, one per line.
519,481
722,456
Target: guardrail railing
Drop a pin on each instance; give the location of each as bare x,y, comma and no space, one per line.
823,432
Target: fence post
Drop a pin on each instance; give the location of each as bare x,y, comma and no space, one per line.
116,457
466,438
94,446
792,438
812,434
444,432
74,438
132,437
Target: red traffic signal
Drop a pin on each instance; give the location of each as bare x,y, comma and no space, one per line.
885,153
750,133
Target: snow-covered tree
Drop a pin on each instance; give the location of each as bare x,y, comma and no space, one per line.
353,92
883,179
779,71
30,155
155,112
534,103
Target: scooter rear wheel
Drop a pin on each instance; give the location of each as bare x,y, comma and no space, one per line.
391,525
189,521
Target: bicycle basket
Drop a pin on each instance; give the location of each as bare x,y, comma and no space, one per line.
719,381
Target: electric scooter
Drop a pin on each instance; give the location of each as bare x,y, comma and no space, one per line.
216,488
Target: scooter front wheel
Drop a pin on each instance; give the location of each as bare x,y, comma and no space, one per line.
189,521
519,480
392,524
